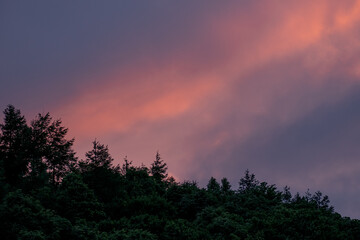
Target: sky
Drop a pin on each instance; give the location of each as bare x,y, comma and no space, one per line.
217,87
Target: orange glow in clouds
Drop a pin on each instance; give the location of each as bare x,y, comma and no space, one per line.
116,109
241,43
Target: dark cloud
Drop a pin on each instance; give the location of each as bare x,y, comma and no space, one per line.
53,49
319,151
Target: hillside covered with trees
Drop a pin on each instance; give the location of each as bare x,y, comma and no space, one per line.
47,193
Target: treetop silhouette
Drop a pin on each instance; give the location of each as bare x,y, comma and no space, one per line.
47,193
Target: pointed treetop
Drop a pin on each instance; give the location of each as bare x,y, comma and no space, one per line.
14,145
14,123
225,185
99,156
51,145
248,182
213,185
158,168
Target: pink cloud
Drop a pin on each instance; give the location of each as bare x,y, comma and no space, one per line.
179,104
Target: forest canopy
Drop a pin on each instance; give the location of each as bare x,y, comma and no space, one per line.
46,192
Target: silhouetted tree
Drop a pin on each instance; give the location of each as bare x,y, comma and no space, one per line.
99,156
52,148
14,145
286,195
225,185
98,201
100,175
126,166
213,185
158,168
248,182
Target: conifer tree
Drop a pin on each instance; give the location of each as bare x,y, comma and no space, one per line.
213,185
158,168
14,145
126,166
51,147
99,156
248,182
225,185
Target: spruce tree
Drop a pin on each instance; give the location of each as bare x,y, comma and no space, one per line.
225,185
158,168
248,182
14,145
213,185
99,156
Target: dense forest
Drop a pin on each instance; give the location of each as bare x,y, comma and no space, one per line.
47,193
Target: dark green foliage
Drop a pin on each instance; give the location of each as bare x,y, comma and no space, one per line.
51,151
248,182
45,193
98,157
213,186
23,217
158,168
76,201
131,234
180,229
225,186
102,177
221,224
14,146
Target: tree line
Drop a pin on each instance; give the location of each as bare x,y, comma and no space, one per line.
46,192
